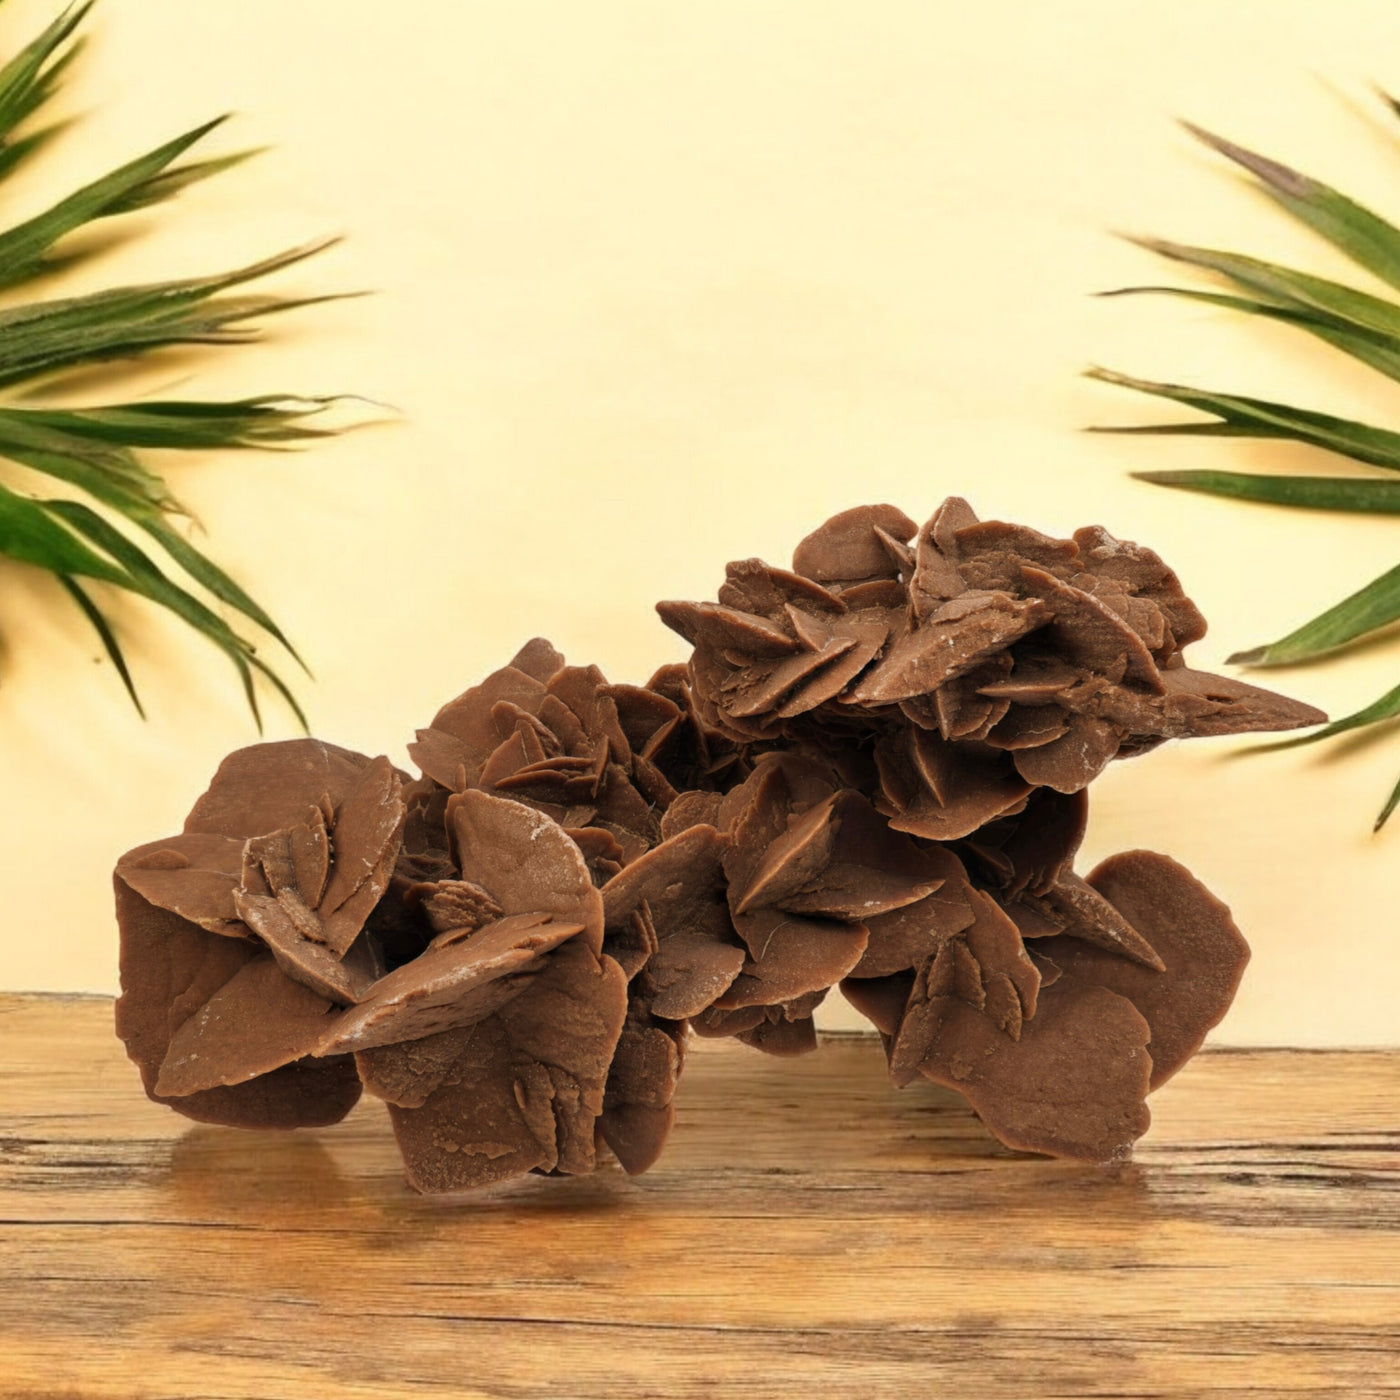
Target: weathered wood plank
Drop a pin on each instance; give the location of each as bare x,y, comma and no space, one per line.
809,1232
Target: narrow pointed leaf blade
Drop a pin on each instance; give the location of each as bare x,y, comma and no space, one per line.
209,576
24,72
1355,494
1379,352
1366,238
1387,811
281,687
1250,417
22,247
16,149
42,338
14,153
151,582
1377,712
148,301
170,182
108,638
111,475
1372,607
29,535
266,421
145,573
1287,285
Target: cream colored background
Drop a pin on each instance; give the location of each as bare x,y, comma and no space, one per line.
662,284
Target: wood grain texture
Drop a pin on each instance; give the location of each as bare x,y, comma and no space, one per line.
809,1232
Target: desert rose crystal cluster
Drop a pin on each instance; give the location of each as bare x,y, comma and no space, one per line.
871,773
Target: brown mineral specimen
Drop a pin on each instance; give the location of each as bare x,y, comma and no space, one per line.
1057,1041
960,685
522,1089
1202,953
637,1104
492,1046
1047,658
671,902
559,738
218,1028
1072,1085
255,988
871,772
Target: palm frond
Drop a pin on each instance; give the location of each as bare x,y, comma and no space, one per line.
1386,812
1366,611
136,185
1379,352
1286,286
1357,494
265,421
42,338
1378,711
31,77
1360,324
1367,239
140,574
85,541
113,476
1238,416
108,638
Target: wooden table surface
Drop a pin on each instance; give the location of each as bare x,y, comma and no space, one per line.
810,1232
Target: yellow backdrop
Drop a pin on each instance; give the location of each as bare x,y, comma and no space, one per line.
660,284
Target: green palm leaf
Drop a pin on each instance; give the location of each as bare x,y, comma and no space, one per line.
1361,324
258,422
43,338
1387,707
85,541
134,186
1366,611
31,77
1381,353
1348,493
1367,239
1288,287
107,637
1246,417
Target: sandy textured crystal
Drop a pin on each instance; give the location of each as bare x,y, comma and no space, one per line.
872,772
